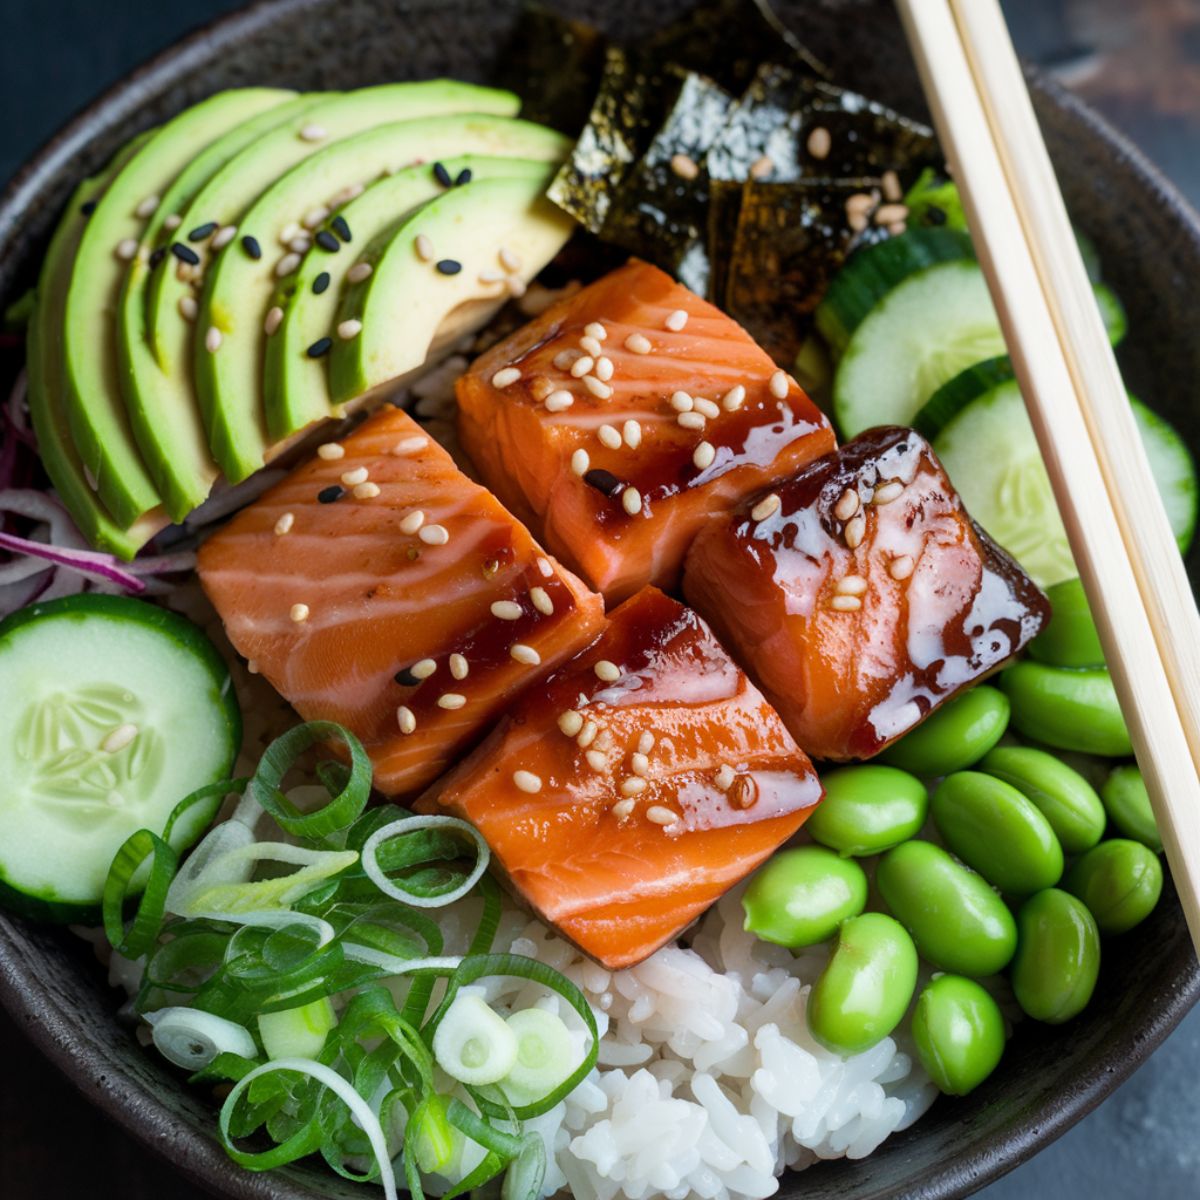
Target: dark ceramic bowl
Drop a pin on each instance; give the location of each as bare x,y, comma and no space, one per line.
1150,242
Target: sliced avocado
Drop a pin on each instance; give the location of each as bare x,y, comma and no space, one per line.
296,385
171,436
408,305
99,424
228,369
47,380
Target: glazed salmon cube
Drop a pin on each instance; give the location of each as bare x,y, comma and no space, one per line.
860,595
631,789
380,588
626,417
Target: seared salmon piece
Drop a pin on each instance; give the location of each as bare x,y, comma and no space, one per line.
627,416
382,589
631,789
860,595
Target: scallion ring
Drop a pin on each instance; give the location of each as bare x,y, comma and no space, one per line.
410,825
192,1039
473,1044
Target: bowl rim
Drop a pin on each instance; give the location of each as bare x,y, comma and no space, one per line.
92,1068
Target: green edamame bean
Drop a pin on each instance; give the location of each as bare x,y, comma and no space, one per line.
1128,806
1059,793
958,923
959,1032
868,809
1071,710
993,828
1058,956
1120,881
866,985
955,736
801,896
1070,639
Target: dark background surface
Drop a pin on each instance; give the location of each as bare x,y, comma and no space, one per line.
1139,63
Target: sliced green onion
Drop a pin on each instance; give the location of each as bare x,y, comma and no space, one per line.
544,1055
206,802
192,1039
409,825
490,1166
527,1172
489,922
433,1139
297,1032
507,1145
147,922
473,1044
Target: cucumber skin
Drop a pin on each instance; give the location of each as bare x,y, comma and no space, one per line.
179,630
956,394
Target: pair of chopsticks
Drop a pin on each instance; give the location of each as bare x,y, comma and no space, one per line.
1122,543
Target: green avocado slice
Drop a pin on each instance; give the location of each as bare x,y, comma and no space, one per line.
483,228
171,437
230,339
296,386
99,424
47,380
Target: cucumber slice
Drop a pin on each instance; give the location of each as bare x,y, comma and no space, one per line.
991,455
114,710
955,394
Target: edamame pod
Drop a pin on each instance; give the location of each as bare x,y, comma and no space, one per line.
801,896
958,923
1120,881
1072,710
1058,956
866,986
1059,793
959,1032
868,809
1128,806
993,828
955,736
1070,639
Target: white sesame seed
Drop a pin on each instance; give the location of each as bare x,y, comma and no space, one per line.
541,601
595,330
691,420
349,329
658,815
366,491
516,286
410,445
605,740
847,505
645,742
331,451
845,604
888,214
631,501
488,278
724,777
213,339
860,203
527,781
632,433
779,385
706,407
703,455
355,475
359,272
312,132
564,360
559,400
902,567
580,462
299,613
609,437
509,259
424,248
287,264
290,230
540,388
638,343
459,667
547,569
734,398
126,249
587,735
590,345
762,166
119,738
632,786
522,653
506,610
820,142
891,186
604,368
607,672
887,492
570,722
676,321
412,522
582,365
173,222
188,308
856,220
273,320
223,236
855,531
301,244
598,388
505,376
147,207
434,535
252,666
682,402
285,523
621,810
314,217
684,166
639,764
405,719
766,507
451,700
596,759
851,585
423,668
896,228
186,272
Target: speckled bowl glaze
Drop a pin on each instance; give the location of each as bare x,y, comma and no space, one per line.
1150,242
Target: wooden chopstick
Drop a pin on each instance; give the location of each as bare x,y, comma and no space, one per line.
1116,524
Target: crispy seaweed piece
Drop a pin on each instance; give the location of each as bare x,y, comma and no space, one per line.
554,64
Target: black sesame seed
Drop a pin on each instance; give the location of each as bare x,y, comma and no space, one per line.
320,283
341,228
319,347
406,678
603,481
330,495
251,246
449,266
185,253
327,241
202,231
464,176
442,175
88,207
156,256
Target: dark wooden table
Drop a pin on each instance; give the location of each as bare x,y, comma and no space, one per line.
1138,61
